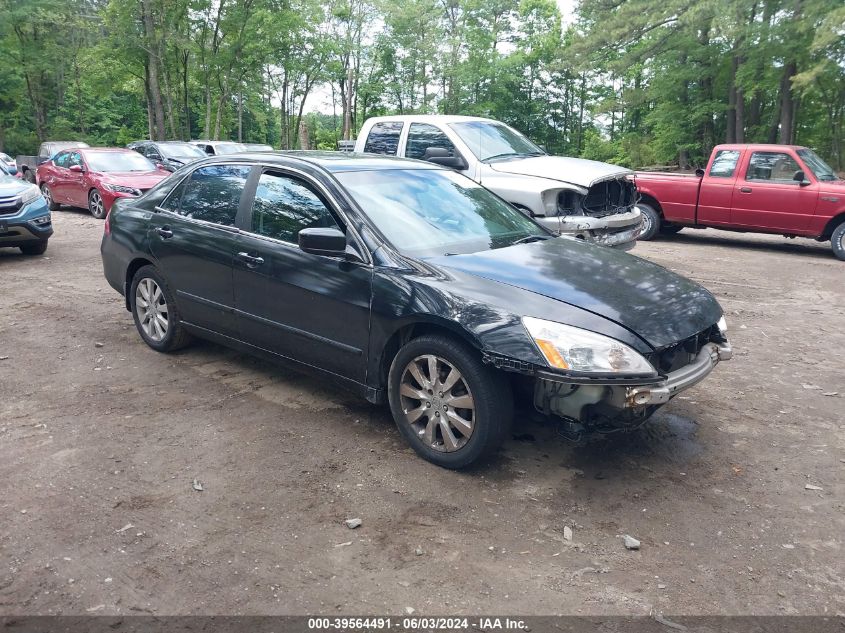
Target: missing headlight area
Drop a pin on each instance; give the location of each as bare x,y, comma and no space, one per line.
608,197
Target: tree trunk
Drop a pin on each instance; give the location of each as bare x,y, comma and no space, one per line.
304,142
787,105
152,72
240,114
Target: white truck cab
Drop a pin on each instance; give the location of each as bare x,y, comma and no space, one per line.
571,196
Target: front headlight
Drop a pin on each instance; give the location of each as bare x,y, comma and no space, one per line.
30,195
123,189
573,349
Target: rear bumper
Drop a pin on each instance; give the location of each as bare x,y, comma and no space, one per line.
677,381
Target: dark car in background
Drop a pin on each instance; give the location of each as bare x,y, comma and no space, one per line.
95,177
25,220
171,155
412,285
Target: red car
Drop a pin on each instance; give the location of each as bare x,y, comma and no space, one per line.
780,189
95,177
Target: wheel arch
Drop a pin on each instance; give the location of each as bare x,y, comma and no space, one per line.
420,325
134,266
652,202
831,225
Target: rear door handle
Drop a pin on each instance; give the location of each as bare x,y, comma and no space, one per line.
251,260
745,189
165,232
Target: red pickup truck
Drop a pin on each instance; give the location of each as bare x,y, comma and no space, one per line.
750,188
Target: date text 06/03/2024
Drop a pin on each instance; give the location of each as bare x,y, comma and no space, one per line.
415,623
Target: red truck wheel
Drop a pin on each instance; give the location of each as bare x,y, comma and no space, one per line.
651,222
837,241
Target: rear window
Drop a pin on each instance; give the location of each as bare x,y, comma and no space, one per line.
384,138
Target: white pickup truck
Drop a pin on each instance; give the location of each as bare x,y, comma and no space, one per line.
571,196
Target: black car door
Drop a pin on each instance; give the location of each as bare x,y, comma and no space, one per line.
193,235
311,308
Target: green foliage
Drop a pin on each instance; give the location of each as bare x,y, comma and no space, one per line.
633,82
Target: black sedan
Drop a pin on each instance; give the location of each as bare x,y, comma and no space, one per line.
412,285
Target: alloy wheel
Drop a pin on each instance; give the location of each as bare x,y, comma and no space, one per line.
45,191
151,309
437,403
96,205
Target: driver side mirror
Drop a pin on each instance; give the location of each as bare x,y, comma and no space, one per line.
441,156
699,173
801,178
323,241
77,169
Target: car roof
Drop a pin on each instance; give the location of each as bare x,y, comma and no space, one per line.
760,147
85,150
333,162
433,118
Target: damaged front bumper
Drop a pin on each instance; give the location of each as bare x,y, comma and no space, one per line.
620,230
680,380
606,404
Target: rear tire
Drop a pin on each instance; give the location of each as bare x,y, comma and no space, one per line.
48,197
651,222
155,301
459,435
96,205
36,248
837,241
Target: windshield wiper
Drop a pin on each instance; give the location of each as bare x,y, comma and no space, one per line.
531,238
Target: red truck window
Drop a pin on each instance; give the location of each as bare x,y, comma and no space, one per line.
772,166
724,163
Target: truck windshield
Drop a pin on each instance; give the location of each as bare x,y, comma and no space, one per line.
427,212
821,169
118,161
492,141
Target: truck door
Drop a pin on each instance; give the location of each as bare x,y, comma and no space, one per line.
767,197
717,187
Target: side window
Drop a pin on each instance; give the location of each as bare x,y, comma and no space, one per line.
172,200
74,159
421,136
724,163
772,166
62,160
284,206
213,193
384,138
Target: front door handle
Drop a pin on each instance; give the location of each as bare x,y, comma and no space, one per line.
165,232
251,260
745,189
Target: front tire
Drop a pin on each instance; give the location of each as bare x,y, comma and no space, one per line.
155,313
36,248
96,205
837,241
48,197
651,222
450,407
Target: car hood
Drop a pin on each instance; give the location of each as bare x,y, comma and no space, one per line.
139,180
576,171
652,302
11,186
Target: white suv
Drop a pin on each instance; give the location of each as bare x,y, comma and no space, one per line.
572,196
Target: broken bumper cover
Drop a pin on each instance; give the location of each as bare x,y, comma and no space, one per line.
680,380
620,230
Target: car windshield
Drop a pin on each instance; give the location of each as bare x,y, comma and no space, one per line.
426,212
118,161
181,150
492,141
821,169
228,148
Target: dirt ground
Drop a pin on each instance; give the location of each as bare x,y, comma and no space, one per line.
101,439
